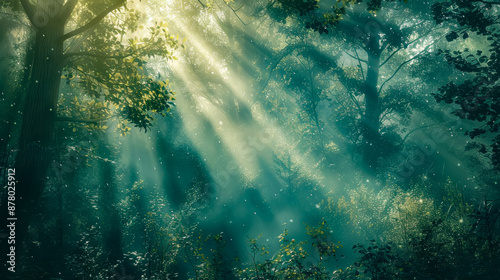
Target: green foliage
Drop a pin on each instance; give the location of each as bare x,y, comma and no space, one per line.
207,257
365,209
171,240
375,260
117,73
287,263
293,259
89,259
314,17
13,5
412,236
477,97
419,237
321,241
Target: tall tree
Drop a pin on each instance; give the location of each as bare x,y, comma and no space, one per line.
84,42
380,44
373,36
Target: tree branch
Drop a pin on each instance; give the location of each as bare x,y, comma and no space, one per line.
68,9
389,57
386,113
360,65
404,63
400,48
236,14
281,55
290,49
343,80
29,9
202,4
353,98
67,56
397,70
416,129
357,58
91,24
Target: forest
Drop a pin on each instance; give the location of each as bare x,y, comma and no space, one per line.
249,139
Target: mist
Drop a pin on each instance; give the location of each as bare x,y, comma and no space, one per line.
250,139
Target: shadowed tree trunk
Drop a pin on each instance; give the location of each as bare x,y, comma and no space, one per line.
371,118
8,106
38,122
11,106
39,115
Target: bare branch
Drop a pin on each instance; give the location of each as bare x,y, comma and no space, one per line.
416,129
389,57
397,70
404,63
236,14
360,65
202,4
400,48
357,58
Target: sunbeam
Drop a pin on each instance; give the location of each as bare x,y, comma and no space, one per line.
237,140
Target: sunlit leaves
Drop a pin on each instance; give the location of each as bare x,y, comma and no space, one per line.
289,262
321,236
84,114
110,67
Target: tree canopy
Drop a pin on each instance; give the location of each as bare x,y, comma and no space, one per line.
234,139
477,96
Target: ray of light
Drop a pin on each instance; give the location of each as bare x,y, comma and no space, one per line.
233,137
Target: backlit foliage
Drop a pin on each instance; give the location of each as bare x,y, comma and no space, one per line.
111,65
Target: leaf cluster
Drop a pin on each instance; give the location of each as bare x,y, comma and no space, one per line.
478,96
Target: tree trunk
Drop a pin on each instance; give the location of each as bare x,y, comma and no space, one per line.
371,119
14,96
37,130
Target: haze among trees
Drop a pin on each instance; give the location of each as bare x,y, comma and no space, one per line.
232,139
